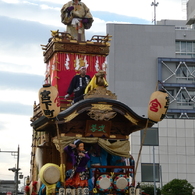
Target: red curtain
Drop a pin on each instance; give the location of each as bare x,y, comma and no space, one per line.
62,67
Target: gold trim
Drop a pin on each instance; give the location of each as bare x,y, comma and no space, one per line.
79,135
112,136
41,126
130,118
89,42
71,116
73,41
82,43
101,107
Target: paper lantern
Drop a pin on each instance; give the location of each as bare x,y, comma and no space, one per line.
49,101
158,106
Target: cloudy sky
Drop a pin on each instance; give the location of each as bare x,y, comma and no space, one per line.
25,24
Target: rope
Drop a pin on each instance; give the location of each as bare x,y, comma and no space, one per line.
157,85
139,154
62,166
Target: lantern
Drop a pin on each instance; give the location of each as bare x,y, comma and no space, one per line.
49,101
158,106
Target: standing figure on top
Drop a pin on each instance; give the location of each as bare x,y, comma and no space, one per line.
78,85
77,17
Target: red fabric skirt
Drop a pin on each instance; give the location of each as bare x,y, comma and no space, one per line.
76,181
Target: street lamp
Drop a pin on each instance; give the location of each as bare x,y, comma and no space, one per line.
20,175
15,170
17,174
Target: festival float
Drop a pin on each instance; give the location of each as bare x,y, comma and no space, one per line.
99,121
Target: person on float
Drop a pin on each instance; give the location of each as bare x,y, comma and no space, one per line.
98,157
76,15
79,158
78,85
118,161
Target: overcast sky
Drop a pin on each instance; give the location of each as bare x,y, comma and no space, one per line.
24,26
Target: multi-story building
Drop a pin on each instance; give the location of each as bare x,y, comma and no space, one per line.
7,187
145,58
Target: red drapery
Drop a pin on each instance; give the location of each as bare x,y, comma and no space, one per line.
62,67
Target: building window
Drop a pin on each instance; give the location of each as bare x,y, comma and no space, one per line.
147,172
185,48
150,137
171,94
185,72
185,98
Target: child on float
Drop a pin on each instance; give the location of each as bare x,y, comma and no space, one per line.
79,158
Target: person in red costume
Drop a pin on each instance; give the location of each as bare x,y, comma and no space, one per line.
79,158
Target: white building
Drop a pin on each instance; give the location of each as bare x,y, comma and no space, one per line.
143,58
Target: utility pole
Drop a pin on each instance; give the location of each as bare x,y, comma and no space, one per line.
154,173
155,5
15,170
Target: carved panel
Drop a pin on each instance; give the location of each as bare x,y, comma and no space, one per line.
73,128
98,128
68,47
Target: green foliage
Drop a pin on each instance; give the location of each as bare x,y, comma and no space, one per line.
149,189
177,187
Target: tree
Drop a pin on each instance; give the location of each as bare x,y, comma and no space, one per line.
177,187
149,189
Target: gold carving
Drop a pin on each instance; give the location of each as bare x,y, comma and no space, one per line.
71,116
99,115
101,107
130,118
74,47
55,36
100,80
100,92
101,112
